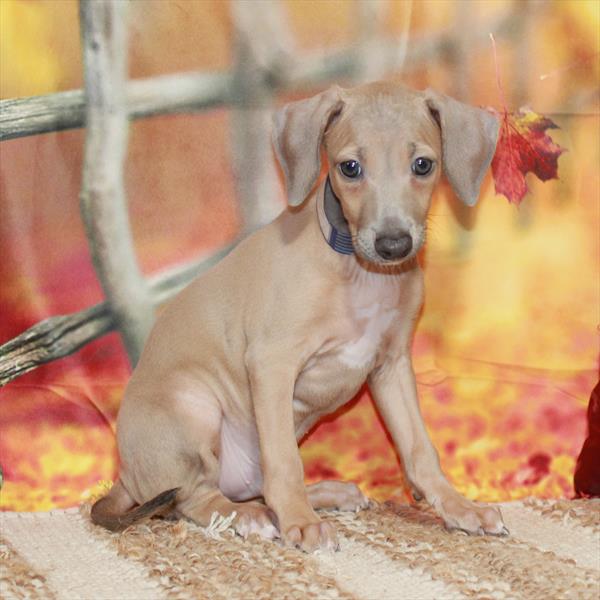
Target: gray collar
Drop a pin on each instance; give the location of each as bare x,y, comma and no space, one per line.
332,221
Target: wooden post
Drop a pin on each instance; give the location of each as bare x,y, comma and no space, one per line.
375,60
460,61
260,47
103,203
371,61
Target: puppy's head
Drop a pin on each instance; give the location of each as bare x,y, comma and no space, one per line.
386,146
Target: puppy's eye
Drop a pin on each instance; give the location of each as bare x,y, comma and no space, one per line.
422,166
351,169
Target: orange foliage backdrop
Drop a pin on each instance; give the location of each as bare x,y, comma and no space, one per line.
506,350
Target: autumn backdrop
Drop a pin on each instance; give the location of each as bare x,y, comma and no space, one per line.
506,350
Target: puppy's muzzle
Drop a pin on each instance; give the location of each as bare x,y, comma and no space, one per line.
394,246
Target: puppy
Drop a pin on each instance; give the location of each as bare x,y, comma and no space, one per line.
289,326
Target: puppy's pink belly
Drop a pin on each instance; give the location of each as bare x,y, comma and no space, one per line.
240,475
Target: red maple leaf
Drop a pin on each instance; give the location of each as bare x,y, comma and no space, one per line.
524,147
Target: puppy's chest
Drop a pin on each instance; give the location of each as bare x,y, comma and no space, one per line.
366,333
354,336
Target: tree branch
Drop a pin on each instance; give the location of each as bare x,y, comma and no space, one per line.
166,94
60,336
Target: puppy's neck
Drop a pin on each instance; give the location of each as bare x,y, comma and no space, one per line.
332,222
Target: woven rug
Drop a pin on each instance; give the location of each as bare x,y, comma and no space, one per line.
387,552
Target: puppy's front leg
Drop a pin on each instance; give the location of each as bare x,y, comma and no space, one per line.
272,391
395,392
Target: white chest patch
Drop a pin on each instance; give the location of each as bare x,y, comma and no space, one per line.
372,308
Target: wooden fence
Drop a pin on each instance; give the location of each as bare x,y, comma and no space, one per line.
264,65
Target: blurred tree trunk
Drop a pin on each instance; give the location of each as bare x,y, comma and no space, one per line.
261,51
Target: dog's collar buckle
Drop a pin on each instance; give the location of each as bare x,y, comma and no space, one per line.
332,221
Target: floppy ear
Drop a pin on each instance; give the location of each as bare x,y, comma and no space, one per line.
298,130
469,137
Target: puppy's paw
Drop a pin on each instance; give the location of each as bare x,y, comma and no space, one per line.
312,536
254,517
474,519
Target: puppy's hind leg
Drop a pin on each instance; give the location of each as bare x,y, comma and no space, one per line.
181,451
250,517
201,497
338,495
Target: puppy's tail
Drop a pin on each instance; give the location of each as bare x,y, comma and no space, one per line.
115,512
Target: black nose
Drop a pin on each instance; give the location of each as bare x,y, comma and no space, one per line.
392,247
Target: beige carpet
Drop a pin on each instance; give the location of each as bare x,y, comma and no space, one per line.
389,552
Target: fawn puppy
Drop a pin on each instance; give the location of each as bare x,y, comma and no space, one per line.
290,325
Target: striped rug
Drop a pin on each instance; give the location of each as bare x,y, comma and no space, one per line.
387,552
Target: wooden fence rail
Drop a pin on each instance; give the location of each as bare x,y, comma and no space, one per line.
192,92
166,94
59,336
